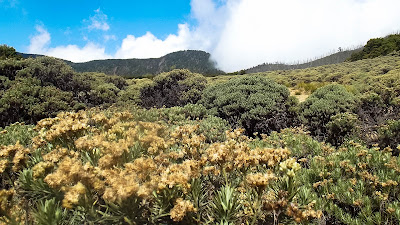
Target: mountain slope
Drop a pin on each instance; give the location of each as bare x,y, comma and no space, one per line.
335,58
195,61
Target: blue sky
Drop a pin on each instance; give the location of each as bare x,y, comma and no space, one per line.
238,33
67,21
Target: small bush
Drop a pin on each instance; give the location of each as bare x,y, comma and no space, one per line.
213,128
17,132
254,103
389,134
316,111
341,127
175,88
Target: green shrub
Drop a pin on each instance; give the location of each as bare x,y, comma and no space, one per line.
316,111
27,101
356,185
104,93
131,93
378,47
195,111
213,128
175,88
17,132
7,52
389,135
341,127
254,103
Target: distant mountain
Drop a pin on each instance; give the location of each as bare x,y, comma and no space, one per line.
26,55
335,58
195,61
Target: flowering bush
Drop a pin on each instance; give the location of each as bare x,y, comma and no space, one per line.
110,168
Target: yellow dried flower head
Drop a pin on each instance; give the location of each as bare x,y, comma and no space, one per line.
40,168
260,179
290,166
17,154
3,165
120,185
389,183
180,209
73,195
5,196
179,175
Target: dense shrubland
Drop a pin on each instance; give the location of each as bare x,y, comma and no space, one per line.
88,148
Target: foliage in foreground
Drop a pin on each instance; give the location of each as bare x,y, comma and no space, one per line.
103,167
108,168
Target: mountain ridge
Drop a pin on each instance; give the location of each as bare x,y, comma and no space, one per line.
334,58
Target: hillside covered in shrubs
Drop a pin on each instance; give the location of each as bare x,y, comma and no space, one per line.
196,61
182,148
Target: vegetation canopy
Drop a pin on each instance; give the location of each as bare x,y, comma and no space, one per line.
313,146
255,103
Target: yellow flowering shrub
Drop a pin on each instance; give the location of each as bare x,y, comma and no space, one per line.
113,168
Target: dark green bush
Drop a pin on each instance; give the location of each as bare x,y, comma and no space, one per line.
378,47
341,127
374,110
254,103
27,101
104,93
175,88
7,52
50,71
316,111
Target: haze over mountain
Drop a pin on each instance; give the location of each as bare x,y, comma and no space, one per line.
334,58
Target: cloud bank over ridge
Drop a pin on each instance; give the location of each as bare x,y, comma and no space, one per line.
244,33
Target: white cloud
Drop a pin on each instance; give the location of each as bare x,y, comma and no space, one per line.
99,21
108,37
244,33
40,45
40,41
149,46
258,31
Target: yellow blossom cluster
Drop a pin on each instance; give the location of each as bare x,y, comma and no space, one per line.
73,195
15,155
5,196
236,154
10,211
303,215
138,178
114,157
180,209
260,179
290,167
65,125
